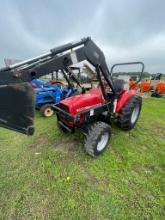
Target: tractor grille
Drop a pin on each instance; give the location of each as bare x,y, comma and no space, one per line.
63,107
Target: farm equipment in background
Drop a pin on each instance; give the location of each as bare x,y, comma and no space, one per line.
156,76
36,83
92,111
155,85
133,84
47,94
159,90
145,86
148,85
158,86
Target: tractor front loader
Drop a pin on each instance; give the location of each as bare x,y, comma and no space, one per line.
91,111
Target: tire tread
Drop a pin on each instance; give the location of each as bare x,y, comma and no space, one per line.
92,135
125,115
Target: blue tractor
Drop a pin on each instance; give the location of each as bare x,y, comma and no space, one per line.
48,94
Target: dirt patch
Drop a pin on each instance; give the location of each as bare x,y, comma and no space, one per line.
159,130
40,141
91,178
67,145
147,168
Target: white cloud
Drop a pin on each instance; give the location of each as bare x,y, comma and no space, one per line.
151,51
124,30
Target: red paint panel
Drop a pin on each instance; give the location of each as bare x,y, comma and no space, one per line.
79,103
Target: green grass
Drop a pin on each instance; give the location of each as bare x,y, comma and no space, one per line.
49,175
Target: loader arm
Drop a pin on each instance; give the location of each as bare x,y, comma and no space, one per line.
16,92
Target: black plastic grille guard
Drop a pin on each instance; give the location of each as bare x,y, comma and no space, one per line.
69,117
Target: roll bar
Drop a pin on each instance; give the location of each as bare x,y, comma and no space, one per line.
130,63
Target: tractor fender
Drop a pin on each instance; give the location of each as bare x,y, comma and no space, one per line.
124,98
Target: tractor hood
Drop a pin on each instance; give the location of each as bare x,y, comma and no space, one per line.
81,103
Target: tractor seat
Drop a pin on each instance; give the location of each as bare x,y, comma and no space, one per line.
118,85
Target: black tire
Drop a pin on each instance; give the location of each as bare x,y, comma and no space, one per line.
37,107
46,110
94,136
126,121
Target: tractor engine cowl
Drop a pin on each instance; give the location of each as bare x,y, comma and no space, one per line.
81,103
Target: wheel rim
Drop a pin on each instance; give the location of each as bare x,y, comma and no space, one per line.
135,114
103,141
48,112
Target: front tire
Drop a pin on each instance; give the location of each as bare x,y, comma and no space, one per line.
130,113
97,138
46,110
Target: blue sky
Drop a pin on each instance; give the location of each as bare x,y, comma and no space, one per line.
126,30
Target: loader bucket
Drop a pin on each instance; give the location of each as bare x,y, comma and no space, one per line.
17,107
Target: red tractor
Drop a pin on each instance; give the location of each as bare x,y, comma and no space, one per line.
92,111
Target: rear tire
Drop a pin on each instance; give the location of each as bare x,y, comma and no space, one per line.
130,113
97,138
46,110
